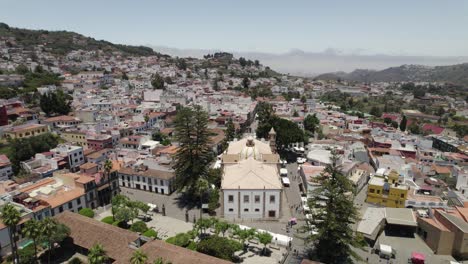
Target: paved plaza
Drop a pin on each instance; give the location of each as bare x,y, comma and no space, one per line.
291,198
168,227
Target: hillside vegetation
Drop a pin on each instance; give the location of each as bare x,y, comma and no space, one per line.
62,42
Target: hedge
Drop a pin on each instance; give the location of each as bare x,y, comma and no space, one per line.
139,227
88,212
151,233
108,220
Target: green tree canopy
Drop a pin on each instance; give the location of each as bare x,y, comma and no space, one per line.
138,257
339,213
139,227
264,238
97,255
55,103
403,123
32,230
10,217
88,212
287,131
157,82
194,153
311,122
219,247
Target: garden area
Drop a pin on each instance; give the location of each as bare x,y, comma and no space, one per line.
223,240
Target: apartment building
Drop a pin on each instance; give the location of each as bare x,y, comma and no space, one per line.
6,170
387,191
72,154
75,137
153,178
25,131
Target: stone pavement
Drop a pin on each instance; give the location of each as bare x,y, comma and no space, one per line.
164,225
169,201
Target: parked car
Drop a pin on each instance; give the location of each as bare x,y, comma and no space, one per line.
301,160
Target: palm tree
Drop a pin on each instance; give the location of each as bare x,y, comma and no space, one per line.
161,261
53,232
32,231
11,217
138,257
97,255
202,186
107,167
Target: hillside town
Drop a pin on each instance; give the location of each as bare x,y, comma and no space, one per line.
221,159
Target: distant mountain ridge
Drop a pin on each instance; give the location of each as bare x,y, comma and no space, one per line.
62,42
456,74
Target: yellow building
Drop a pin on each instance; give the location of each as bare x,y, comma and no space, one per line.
386,191
77,137
25,131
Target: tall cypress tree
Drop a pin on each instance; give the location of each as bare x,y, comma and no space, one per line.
230,133
403,123
335,238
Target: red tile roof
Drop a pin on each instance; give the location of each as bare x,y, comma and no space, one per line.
433,129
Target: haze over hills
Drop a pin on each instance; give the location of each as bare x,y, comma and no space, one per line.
301,63
456,74
295,62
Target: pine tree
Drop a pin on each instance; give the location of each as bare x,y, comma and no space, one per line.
335,238
311,122
230,133
194,153
157,82
403,123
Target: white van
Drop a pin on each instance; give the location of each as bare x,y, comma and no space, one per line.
283,172
285,181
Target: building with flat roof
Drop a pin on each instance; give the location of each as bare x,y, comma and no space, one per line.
75,137
25,131
445,231
148,176
387,191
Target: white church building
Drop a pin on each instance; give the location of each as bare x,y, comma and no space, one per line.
251,186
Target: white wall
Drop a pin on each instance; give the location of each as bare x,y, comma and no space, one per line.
144,182
74,206
251,209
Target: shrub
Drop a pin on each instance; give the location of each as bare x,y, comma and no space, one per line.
192,246
108,220
26,255
139,226
220,247
151,233
120,224
88,212
75,260
181,240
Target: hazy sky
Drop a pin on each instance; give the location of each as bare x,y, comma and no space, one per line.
397,27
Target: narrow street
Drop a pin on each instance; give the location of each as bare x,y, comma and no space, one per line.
293,195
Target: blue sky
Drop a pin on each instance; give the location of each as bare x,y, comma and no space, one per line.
398,27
